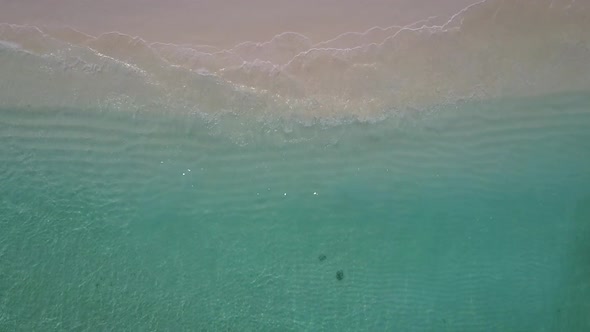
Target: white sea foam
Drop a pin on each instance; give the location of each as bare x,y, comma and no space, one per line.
490,49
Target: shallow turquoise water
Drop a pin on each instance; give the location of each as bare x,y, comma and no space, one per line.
475,217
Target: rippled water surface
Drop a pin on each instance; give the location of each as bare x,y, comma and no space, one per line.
472,218
433,176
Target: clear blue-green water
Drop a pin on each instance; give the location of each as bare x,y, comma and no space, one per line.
473,217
